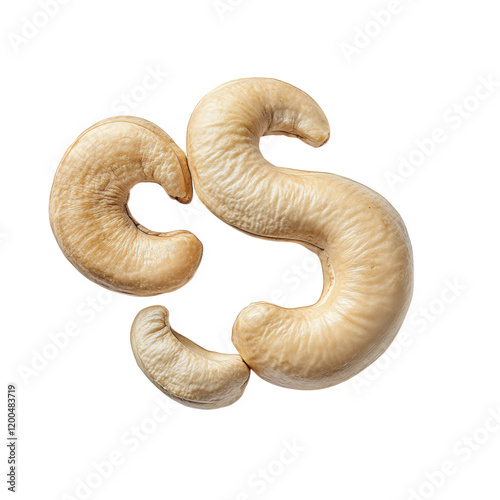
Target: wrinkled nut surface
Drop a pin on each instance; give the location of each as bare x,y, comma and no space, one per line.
359,237
182,369
89,214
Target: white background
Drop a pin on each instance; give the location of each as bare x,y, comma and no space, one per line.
382,435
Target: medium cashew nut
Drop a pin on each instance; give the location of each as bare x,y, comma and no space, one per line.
89,214
182,369
359,237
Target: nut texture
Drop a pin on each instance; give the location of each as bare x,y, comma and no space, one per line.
359,237
89,214
182,369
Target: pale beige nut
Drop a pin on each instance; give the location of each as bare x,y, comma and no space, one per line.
89,214
359,237
182,369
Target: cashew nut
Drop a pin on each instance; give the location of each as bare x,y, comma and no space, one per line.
359,237
182,369
89,214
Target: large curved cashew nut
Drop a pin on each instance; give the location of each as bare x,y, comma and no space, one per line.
182,369
89,215
359,237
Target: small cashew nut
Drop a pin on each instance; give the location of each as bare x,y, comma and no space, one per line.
182,369
359,237
89,214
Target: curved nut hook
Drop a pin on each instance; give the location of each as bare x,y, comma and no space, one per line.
182,369
359,237
89,214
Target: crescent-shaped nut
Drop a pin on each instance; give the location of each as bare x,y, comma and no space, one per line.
182,369
89,214
359,237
